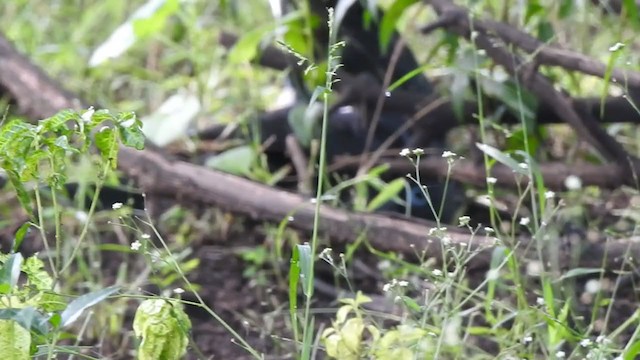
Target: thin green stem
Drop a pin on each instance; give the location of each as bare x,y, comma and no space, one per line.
331,67
92,209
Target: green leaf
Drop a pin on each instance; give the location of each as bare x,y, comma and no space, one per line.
294,277
319,90
236,161
387,194
502,158
77,306
38,277
172,119
154,23
631,9
22,231
246,49
303,121
162,326
389,20
21,191
29,318
340,11
579,272
306,276
10,272
107,144
632,352
15,341
616,53
130,130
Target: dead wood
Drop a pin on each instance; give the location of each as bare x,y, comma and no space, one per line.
585,125
471,173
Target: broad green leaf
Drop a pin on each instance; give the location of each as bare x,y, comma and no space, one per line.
631,10
246,48
632,352
502,158
163,327
576,272
107,143
145,27
389,20
294,277
77,306
130,130
303,120
15,341
388,193
22,231
617,51
28,317
124,37
236,161
10,272
172,119
305,261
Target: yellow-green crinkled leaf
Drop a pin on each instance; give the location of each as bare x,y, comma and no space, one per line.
15,341
162,327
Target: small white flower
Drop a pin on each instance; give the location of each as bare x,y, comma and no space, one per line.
81,216
525,221
386,287
585,342
135,246
88,115
436,272
534,268
527,339
492,180
145,236
573,182
326,255
418,152
178,291
448,154
560,354
405,152
128,123
435,231
540,301
489,230
523,166
290,218
592,286
384,264
601,339
617,46
464,220
493,274
116,206
549,195
403,283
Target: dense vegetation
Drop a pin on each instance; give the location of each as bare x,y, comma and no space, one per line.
462,189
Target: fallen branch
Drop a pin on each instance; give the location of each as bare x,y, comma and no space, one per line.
580,120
